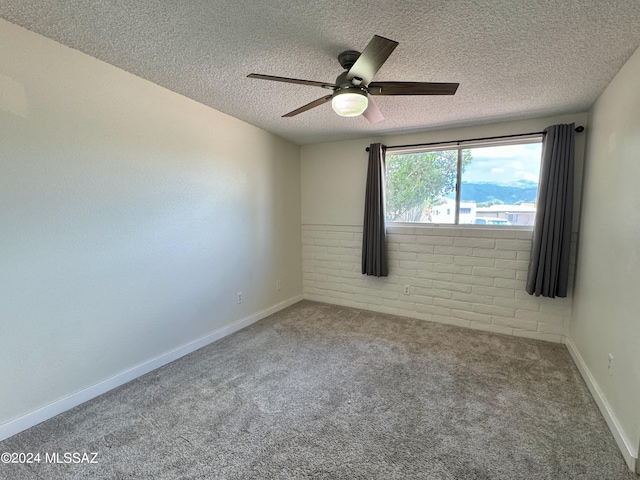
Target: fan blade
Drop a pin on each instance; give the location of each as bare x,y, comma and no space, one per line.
293,80
371,59
309,106
412,88
373,113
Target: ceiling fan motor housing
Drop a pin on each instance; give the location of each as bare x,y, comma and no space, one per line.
343,82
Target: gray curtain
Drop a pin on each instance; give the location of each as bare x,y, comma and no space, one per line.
549,264
374,234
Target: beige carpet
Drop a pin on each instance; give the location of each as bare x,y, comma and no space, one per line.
320,391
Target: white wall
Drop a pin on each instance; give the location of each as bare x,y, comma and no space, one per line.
472,277
129,218
606,312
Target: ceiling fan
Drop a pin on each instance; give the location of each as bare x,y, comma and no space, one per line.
353,88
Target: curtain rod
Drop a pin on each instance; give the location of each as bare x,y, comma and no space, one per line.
579,129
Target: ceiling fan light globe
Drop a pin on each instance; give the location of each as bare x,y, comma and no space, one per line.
349,104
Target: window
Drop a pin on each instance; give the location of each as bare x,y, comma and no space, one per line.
498,183
418,183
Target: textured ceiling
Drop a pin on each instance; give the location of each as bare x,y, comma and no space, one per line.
513,59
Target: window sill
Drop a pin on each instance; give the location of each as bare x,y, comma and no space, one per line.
437,226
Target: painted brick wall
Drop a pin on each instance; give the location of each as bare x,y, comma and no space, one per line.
470,277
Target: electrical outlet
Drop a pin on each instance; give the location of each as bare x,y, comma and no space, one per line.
610,365
239,297
407,290
278,285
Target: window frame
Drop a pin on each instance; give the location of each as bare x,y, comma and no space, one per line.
460,146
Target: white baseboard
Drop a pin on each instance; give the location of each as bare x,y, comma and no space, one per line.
627,449
48,411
